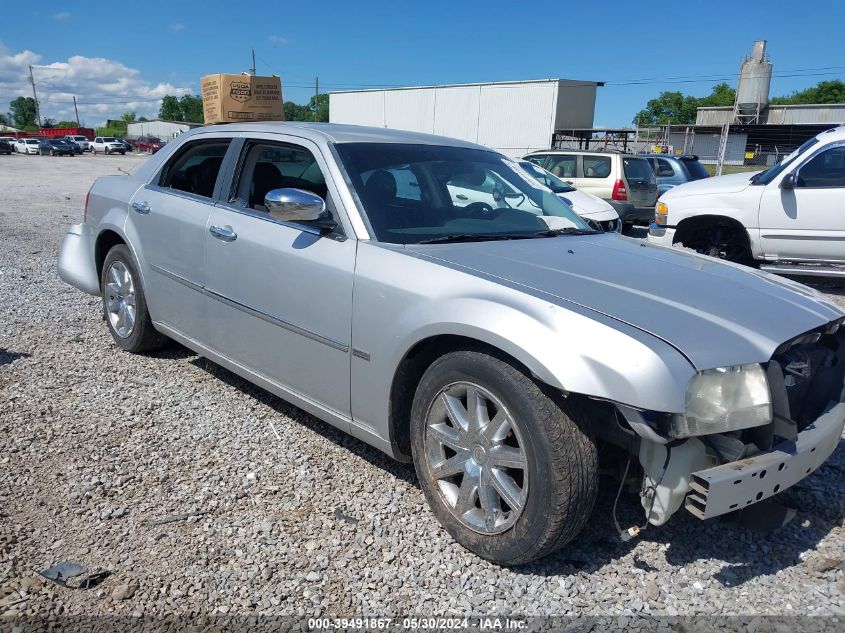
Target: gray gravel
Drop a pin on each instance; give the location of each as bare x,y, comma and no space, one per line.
166,471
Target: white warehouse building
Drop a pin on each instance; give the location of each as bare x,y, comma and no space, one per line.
165,130
512,117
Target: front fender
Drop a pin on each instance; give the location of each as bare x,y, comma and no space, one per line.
401,300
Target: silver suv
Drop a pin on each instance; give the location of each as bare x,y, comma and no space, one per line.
627,182
429,297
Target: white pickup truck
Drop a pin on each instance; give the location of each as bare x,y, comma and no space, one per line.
788,219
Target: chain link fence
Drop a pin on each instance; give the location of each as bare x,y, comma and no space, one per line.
748,148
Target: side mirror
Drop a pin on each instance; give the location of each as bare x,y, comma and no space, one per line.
298,205
788,182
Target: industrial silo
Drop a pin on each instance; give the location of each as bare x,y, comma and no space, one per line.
755,76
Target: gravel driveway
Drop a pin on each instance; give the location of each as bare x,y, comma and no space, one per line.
201,493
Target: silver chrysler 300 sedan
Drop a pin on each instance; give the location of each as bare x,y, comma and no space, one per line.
431,298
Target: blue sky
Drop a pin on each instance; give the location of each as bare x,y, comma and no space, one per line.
166,46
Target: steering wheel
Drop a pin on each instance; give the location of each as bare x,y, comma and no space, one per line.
479,210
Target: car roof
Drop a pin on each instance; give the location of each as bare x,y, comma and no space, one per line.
339,133
591,152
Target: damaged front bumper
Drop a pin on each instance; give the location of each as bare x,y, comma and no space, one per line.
739,484
76,259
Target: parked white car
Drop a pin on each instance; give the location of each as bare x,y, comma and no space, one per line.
108,145
80,140
788,218
27,145
592,209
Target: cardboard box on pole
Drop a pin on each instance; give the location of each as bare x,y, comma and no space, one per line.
236,98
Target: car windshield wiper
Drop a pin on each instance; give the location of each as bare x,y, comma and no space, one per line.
478,237
570,230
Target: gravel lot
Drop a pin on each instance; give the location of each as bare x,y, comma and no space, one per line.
103,454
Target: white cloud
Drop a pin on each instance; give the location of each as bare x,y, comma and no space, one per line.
61,16
278,39
104,88
176,27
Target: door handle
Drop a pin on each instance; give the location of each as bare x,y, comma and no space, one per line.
141,207
224,233
461,196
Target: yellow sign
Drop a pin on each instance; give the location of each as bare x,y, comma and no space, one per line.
749,155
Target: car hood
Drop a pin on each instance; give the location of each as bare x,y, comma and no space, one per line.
720,184
588,205
715,313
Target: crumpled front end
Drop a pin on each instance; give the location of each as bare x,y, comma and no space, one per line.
712,475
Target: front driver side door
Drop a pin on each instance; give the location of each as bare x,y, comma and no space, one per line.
807,222
279,293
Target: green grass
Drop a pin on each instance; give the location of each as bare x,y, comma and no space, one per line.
733,169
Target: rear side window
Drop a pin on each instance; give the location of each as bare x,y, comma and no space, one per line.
696,170
637,169
562,166
664,168
596,166
194,169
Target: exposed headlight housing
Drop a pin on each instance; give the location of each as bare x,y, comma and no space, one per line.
661,214
725,399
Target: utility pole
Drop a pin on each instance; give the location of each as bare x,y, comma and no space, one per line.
316,94
253,62
75,109
35,96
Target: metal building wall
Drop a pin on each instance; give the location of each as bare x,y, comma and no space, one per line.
511,117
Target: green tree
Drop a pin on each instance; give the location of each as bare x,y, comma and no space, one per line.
142,119
128,117
297,112
191,107
822,92
48,123
24,113
5,120
669,107
170,109
721,95
66,123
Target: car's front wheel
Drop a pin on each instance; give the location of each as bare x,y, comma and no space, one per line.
505,470
124,304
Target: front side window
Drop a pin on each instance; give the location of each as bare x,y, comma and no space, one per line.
765,177
596,166
195,169
463,193
824,170
268,166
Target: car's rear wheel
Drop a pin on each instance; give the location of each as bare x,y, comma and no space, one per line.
124,304
505,470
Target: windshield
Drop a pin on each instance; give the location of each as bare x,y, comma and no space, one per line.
419,193
109,139
546,177
764,178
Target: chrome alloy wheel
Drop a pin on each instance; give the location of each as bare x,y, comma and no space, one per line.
120,299
476,456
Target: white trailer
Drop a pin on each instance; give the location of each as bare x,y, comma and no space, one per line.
512,117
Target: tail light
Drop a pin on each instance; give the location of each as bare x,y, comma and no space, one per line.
87,198
619,191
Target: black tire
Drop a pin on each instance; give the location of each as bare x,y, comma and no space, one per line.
722,241
561,455
143,337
